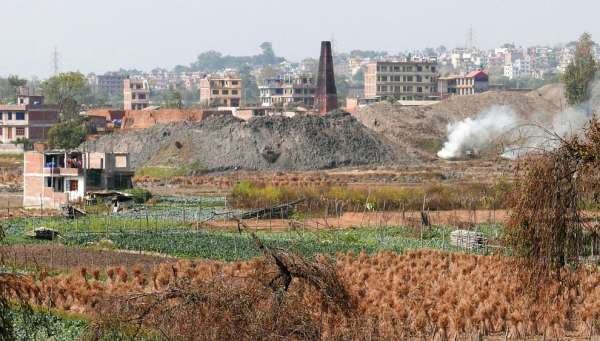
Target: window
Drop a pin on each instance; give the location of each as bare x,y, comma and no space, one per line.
20,131
419,79
73,185
396,78
396,69
234,92
384,78
433,69
234,82
419,89
215,92
225,92
20,116
419,68
409,78
0,131
384,68
141,96
121,161
9,116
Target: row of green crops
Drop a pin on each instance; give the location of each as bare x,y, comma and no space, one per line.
30,324
41,324
231,246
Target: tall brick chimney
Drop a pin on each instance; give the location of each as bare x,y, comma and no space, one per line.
326,96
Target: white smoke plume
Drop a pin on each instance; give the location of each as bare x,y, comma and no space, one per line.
502,125
473,134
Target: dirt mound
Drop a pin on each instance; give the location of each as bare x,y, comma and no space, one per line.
554,93
266,143
420,131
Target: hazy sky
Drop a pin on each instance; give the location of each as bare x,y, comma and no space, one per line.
101,35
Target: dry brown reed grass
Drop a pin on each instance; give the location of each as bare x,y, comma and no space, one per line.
422,294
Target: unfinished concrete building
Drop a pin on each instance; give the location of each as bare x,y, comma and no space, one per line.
289,89
136,94
402,80
326,93
221,91
52,179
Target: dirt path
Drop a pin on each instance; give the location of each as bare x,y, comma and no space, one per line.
459,218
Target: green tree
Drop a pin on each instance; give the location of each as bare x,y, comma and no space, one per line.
67,135
15,82
174,100
581,72
268,55
251,92
67,91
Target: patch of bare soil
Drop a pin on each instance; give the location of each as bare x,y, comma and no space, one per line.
60,257
458,218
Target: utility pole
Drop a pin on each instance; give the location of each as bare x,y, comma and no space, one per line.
55,60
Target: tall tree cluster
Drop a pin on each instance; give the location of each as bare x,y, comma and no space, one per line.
580,73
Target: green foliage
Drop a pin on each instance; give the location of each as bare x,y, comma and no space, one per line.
27,143
250,85
67,91
212,61
30,324
527,83
140,195
581,72
16,82
67,135
194,168
174,100
233,246
437,196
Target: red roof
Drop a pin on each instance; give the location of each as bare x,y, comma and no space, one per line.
477,73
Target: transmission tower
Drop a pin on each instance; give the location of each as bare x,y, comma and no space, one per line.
55,60
470,35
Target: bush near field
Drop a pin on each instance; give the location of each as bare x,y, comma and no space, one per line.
251,195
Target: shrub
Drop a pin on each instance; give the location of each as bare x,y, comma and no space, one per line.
140,195
434,196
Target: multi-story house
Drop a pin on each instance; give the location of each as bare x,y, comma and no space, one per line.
288,89
403,80
520,68
55,178
28,119
109,83
460,85
136,94
221,91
